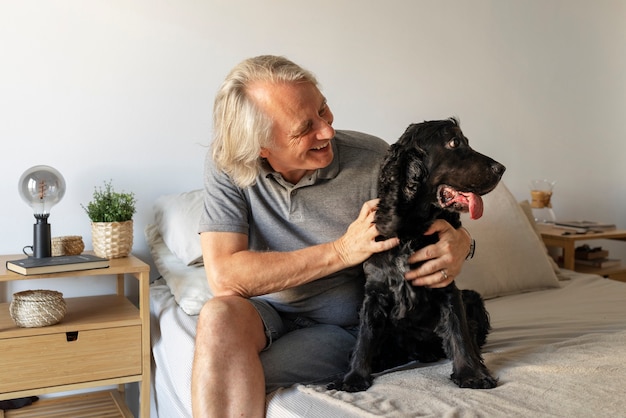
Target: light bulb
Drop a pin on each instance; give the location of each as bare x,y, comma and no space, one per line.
41,187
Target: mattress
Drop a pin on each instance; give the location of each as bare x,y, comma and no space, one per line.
556,352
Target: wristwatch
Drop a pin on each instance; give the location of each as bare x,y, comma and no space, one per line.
472,249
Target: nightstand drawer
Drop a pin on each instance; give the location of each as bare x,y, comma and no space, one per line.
62,358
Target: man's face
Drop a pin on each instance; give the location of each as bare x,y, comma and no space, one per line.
302,128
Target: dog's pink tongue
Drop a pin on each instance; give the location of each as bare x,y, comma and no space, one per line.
475,204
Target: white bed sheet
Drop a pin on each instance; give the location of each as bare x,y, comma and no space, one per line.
557,352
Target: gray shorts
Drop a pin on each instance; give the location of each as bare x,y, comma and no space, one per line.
300,350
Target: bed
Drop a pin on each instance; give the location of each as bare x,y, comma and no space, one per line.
558,344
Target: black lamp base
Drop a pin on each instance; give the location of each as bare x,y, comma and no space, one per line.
42,241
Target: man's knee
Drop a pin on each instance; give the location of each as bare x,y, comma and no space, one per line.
230,320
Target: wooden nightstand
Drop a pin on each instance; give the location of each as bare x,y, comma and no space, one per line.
554,237
102,341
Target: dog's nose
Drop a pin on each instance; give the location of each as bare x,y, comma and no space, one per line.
498,168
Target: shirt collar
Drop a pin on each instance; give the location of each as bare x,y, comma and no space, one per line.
332,169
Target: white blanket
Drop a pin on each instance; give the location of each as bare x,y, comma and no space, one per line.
580,377
557,352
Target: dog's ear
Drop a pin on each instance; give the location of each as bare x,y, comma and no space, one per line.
401,177
415,171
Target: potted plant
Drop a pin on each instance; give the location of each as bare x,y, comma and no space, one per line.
111,216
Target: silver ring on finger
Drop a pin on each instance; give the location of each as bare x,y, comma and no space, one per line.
444,274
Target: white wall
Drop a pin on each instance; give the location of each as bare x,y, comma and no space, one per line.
123,90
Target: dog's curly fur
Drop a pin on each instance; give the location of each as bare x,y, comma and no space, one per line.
423,174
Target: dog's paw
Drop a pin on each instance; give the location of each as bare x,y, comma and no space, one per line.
475,380
352,382
336,385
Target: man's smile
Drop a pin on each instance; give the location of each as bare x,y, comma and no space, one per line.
320,147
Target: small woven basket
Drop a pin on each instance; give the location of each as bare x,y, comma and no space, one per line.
112,239
68,245
37,308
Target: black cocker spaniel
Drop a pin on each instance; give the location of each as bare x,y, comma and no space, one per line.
430,172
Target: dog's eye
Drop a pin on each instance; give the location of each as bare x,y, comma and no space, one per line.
454,142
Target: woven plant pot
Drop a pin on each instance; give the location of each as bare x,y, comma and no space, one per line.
112,239
37,308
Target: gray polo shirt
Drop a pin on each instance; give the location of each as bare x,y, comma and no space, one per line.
279,216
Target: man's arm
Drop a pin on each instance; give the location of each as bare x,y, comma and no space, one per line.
232,269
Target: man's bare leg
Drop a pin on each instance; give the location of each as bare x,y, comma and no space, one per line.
227,378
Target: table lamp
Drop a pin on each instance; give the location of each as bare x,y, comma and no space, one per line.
41,187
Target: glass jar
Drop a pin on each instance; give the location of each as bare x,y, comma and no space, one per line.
541,195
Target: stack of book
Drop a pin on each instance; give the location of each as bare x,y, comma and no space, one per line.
585,226
594,257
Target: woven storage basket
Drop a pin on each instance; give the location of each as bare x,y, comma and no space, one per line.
68,245
37,308
112,239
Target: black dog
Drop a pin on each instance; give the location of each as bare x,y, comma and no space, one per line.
430,173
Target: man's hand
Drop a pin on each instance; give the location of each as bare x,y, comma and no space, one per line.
443,260
359,241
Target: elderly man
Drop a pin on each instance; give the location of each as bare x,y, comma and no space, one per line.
288,219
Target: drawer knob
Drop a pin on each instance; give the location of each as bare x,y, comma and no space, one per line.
71,336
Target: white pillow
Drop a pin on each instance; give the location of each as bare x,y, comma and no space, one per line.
525,205
177,217
510,257
188,284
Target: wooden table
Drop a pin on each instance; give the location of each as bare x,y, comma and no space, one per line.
103,340
566,240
